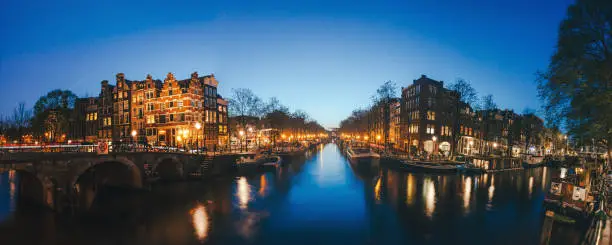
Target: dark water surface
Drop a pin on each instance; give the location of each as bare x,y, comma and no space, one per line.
321,200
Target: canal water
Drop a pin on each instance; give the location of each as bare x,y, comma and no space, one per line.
319,200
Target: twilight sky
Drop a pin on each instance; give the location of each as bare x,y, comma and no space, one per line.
325,58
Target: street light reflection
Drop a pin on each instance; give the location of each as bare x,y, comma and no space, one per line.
492,189
467,192
199,218
263,185
429,192
243,193
410,189
530,186
377,189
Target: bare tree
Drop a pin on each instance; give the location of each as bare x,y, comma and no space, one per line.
385,95
244,102
467,93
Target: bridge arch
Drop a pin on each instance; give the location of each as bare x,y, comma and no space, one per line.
90,175
119,172
35,189
169,168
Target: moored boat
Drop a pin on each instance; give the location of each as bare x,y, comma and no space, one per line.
431,167
252,163
532,161
469,168
359,155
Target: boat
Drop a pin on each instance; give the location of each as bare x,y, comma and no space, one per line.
270,161
469,168
361,155
253,163
532,161
288,152
431,167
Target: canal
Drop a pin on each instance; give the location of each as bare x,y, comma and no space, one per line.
319,200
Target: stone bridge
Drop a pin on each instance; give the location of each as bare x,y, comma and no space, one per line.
70,181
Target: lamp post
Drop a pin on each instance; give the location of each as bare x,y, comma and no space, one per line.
434,139
566,145
198,126
241,132
134,133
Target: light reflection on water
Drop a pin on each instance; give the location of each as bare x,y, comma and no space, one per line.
320,201
467,193
429,194
243,193
200,222
410,189
491,189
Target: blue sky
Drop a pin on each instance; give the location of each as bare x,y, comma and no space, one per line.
325,57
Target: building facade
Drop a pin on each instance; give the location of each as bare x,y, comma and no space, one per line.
434,120
178,113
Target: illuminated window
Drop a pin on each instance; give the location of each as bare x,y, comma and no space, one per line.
431,129
431,115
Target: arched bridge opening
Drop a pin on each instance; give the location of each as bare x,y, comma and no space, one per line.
99,184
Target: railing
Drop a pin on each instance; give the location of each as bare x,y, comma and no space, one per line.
48,148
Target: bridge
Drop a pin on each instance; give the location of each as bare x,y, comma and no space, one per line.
69,182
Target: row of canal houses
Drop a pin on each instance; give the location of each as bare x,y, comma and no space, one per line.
168,112
429,118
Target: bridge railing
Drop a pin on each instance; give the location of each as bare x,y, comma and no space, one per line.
48,148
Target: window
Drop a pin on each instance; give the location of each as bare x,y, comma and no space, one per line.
431,115
172,117
180,103
431,129
169,91
445,130
182,117
162,118
170,104
150,119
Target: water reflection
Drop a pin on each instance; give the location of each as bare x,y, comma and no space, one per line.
243,193
491,189
530,186
429,194
410,189
467,192
377,189
263,185
313,201
199,218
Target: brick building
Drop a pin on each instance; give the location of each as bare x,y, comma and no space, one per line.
174,112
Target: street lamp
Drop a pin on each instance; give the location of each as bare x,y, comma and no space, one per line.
434,139
134,133
241,132
198,126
